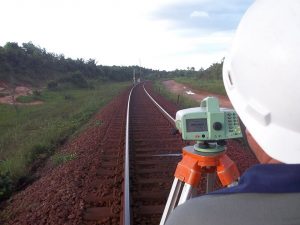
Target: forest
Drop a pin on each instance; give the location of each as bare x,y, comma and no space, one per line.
31,64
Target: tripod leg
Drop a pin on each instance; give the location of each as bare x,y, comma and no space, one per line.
193,193
210,181
186,193
172,199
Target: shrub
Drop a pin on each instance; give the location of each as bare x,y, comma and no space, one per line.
52,85
78,80
37,93
68,97
38,151
6,186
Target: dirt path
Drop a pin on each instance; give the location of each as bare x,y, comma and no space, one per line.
197,95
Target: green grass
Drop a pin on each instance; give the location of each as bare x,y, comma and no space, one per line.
29,98
28,133
214,86
182,102
61,158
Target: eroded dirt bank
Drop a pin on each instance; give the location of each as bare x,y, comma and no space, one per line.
197,95
9,95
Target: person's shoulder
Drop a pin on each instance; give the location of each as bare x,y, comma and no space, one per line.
239,209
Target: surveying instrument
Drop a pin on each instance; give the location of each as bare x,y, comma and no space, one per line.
210,126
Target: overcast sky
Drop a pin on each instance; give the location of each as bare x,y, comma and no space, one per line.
161,34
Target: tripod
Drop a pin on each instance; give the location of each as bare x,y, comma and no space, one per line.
209,160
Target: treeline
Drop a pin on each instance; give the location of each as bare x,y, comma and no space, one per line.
34,65
213,72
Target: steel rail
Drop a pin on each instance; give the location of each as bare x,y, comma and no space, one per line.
164,112
127,213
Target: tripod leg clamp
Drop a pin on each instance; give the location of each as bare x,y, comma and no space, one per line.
188,171
227,170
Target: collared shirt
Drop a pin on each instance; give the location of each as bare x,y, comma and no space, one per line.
267,178
267,194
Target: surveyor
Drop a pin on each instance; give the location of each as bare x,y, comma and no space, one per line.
262,79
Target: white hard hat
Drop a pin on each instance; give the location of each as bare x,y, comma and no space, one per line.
262,76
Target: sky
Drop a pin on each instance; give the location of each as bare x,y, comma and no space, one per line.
157,34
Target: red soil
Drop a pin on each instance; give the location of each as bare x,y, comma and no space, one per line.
12,93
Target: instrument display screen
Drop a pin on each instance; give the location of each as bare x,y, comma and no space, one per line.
196,125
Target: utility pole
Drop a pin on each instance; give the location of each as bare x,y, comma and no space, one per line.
133,76
139,80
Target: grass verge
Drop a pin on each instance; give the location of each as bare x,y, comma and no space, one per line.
30,133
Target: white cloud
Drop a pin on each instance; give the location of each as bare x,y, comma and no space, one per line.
199,14
114,32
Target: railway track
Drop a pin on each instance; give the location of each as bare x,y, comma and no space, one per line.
135,193
154,153
113,181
